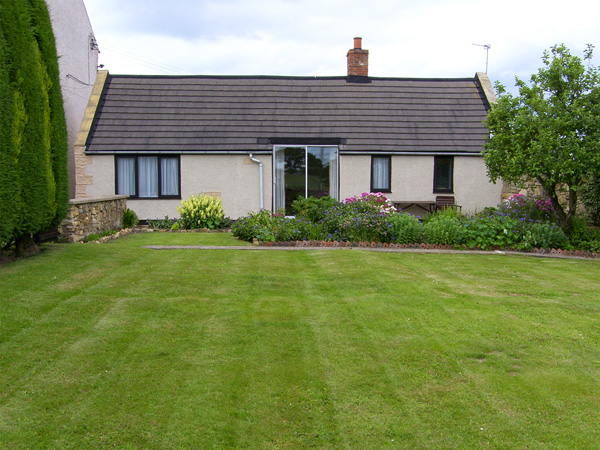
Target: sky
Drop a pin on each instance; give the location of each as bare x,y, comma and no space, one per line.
414,39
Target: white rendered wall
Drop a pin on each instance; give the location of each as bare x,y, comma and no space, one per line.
78,64
234,178
412,180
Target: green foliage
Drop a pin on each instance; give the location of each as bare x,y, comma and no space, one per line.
226,222
583,236
405,229
355,222
312,208
543,235
266,226
130,218
201,211
8,168
253,225
445,212
530,207
371,202
493,230
443,230
514,225
294,229
522,223
96,236
550,133
162,224
590,197
33,141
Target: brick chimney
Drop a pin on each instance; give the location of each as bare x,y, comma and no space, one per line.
358,60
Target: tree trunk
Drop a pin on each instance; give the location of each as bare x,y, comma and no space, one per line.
550,191
572,204
25,246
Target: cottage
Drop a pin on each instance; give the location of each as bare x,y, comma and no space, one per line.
262,141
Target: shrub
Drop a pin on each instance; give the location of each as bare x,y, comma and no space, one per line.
493,229
130,218
512,229
529,207
443,230
371,202
446,212
312,208
201,211
297,229
405,228
582,236
356,221
255,225
590,197
227,222
34,183
162,224
95,236
543,235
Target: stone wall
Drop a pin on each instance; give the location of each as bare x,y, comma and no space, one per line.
88,216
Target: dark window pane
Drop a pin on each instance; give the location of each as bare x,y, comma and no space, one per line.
443,174
318,171
295,175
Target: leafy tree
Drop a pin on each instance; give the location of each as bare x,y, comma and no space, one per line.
33,139
549,134
56,141
590,197
7,157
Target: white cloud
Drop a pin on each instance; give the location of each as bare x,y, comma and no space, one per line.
311,37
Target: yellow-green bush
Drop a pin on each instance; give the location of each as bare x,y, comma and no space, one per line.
201,211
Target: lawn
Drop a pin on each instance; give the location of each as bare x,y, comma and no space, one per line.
119,346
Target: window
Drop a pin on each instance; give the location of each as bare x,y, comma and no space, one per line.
147,176
304,171
443,168
381,174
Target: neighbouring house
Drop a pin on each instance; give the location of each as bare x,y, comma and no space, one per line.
262,141
78,64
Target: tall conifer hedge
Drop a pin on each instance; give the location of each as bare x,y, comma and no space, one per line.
33,139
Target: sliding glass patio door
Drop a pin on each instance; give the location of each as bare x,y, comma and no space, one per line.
304,171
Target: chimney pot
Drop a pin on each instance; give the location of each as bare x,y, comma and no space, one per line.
358,42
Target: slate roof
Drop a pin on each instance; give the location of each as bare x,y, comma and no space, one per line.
252,113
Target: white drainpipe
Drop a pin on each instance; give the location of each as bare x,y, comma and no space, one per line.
260,174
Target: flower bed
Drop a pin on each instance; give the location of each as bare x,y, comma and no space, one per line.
523,223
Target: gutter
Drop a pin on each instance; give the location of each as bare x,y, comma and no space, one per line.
260,175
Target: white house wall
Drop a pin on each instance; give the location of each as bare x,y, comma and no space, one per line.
472,187
78,65
234,178
102,171
412,180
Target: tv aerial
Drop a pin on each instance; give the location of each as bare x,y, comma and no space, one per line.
487,51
